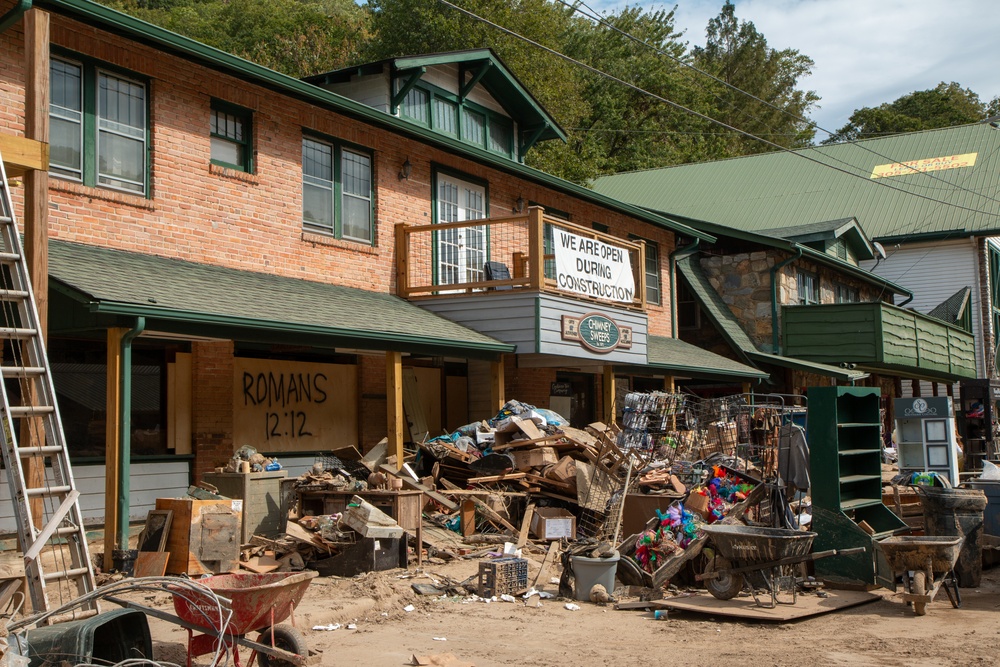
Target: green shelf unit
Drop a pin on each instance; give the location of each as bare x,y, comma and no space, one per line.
845,451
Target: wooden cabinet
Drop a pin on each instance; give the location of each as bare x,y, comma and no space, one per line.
261,496
204,536
845,451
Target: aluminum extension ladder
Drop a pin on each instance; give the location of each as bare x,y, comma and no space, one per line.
45,498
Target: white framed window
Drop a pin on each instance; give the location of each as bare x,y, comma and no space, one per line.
808,287
461,251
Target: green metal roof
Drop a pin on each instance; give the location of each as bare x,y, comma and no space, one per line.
132,28
179,296
676,355
716,309
784,189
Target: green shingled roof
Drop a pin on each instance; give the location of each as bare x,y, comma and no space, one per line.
784,189
676,355
175,292
717,310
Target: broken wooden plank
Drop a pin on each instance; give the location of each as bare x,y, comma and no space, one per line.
417,486
506,477
550,558
525,525
524,443
486,509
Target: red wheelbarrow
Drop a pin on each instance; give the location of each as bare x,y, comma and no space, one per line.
258,602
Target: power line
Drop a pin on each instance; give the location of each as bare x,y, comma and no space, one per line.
800,153
594,15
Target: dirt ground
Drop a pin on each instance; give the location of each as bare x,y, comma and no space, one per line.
882,633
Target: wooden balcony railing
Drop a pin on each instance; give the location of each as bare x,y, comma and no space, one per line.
499,254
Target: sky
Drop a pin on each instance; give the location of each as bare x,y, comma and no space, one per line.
866,52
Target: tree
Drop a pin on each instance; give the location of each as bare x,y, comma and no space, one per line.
945,105
737,54
295,37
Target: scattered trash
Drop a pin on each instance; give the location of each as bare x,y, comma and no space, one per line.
408,608
507,598
572,607
329,626
440,639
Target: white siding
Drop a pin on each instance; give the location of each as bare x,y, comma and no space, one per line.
148,481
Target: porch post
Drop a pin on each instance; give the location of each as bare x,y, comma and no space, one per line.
112,442
497,393
609,395
536,247
36,220
394,405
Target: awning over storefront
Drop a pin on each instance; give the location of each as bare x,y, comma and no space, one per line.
713,306
684,359
112,287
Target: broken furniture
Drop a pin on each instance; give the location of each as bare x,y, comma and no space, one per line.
405,506
204,536
261,496
845,444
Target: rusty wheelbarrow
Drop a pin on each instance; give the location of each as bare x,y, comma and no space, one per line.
257,602
752,557
916,558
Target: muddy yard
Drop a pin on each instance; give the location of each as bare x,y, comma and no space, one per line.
881,633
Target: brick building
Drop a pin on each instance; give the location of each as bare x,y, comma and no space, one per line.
236,257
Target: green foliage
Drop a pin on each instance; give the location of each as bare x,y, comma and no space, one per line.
296,37
945,105
776,110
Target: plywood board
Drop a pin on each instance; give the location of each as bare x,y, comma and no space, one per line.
805,605
414,407
288,406
151,563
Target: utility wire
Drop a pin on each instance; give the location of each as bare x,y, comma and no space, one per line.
595,16
800,153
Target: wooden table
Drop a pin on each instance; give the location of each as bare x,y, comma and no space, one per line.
406,507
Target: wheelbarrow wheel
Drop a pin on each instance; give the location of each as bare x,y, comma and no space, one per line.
920,588
286,638
726,585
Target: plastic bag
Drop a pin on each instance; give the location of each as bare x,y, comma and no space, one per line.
991,472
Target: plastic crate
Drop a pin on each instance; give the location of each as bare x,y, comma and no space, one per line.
503,577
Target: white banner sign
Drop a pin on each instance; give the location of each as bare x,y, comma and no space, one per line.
592,267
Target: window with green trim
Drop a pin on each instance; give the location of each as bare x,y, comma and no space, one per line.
652,269
231,136
337,190
444,112
98,130
995,299
808,286
844,294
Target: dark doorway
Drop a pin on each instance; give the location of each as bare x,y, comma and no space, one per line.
582,403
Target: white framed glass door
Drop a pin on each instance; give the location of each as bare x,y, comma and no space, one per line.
461,252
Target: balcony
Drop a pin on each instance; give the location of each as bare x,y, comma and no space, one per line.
879,336
519,253
530,280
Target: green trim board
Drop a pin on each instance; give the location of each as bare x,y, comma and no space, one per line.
724,320
186,298
818,256
879,335
938,196
115,22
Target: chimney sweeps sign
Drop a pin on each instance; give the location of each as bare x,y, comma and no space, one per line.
593,268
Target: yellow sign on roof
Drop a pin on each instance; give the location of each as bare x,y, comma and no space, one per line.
927,164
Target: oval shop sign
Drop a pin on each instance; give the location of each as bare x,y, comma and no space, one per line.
599,333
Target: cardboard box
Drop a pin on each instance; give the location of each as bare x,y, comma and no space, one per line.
526,459
697,504
550,523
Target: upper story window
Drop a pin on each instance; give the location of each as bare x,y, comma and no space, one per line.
231,136
652,269
337,190
98,129
474,124
808,284
845,294
688,311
